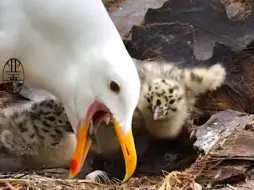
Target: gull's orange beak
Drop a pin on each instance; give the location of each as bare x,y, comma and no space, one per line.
84,143
128,148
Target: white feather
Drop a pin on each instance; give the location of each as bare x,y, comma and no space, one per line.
96,175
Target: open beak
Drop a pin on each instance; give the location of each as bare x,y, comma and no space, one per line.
84,143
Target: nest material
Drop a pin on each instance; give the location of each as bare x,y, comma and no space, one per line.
36,182
40,182
185,180
229,160
174,180
208,170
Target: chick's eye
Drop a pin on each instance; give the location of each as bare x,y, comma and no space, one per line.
114,86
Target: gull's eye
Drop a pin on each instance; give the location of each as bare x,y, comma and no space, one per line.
114,86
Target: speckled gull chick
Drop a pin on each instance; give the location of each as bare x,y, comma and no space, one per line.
73,50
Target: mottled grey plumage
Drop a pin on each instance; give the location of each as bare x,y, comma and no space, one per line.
36,132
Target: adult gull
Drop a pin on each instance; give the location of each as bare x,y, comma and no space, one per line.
72,49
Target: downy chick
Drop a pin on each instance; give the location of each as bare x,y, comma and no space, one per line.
168,94
40,132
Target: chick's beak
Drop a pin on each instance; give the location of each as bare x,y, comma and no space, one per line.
156,112
84,143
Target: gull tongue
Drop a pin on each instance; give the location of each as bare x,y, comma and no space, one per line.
107,119
95,124
92,132
91,127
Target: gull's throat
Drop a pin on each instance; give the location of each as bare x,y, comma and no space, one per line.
96,121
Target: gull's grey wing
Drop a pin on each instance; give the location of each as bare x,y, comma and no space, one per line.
35,93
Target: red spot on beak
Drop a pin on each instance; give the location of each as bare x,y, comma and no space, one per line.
74,165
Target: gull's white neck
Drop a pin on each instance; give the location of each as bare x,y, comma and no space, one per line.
50,38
